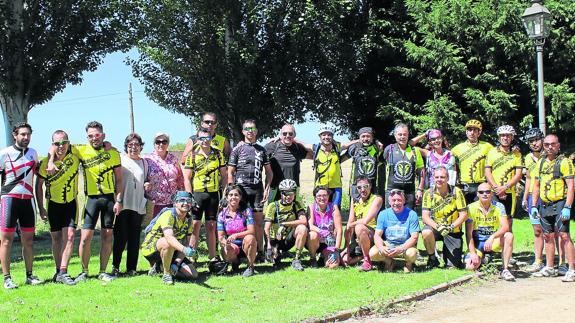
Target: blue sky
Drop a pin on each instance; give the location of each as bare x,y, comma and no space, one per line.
103,96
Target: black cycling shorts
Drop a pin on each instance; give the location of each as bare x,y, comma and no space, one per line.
287,243
99,205
452,247
208,205
62,216
17,210
550,224
254,196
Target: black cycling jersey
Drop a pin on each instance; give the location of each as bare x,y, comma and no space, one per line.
249,161
285,161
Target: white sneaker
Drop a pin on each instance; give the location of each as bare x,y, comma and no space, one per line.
507,275
545,272
569,276
562,269
106,277
9,284
33,280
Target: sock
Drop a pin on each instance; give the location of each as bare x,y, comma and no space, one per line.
297,253
63,270
432,256
28,273
6,277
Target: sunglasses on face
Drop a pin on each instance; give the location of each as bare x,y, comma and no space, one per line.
395,192
206,138
434,139
287,134
133,144
95,136
288,193
363,187
184,200
210,122
60,143
487,192
161,142
252,129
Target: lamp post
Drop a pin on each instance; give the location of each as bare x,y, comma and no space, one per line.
537,21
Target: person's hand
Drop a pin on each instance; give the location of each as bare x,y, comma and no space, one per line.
418,196
232,238
474,259
51,168
108,146
395,251
188,251
269,255
488,245
117,208
535,213
443,230
383,251
500,190
147,186
524,205
266,194
43,213
515,149
565,214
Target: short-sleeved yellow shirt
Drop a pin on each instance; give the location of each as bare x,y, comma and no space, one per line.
444,209
167,220
485,224
278,212
503,166
206,176
327,169
98,168
552,189
471,161
62,187
361,209
529,163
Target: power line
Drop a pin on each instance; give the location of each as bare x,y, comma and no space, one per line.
89,97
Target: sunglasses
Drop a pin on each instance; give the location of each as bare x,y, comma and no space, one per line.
395,191
434,139
184,200
95,136
210,122
60,143
363,187
252,129
487,192
286,134
204,138
288,193
161,142
133,144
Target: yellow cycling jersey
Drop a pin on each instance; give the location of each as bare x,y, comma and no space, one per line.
504,166
98,168
471,161
444,209
278,212
206,169
327,169
485,223
167,220
218,142
61,187
552,186
529,163
361,209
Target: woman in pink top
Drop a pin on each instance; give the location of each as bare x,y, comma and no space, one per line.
325,229
165,174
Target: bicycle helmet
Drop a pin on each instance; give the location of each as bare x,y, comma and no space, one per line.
506,130
325,129
533,134
288,185
473,123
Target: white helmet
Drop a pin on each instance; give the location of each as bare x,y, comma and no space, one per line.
288,185
325,129
506,130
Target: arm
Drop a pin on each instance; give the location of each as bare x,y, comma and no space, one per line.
570,185
346,145
40,197
378,242
426,217
267,227
373,211
462,216
491,181
222,238
535,193
413,141
224,177
231,172
311,221
419,192
251,229
350,225
119,189
269,177
526,190
469,237
515,179
503,227
172,241
187,150
188,175
337,226
302,219
227,148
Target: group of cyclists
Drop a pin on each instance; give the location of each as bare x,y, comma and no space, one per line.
253,211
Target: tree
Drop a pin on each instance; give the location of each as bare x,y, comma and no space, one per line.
274,61
45,45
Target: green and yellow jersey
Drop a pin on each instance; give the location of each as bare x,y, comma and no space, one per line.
529,163
206,169
444,209
61,187
218,142
167,220
361,208
504,166
277,212
327,169
552,189
471,161
98,168
485,223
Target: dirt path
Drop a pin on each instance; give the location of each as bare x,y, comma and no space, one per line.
526,300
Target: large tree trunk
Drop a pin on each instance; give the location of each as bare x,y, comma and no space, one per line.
14,110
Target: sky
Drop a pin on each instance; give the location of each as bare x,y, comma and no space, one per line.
103,96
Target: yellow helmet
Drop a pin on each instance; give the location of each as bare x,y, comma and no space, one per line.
473,123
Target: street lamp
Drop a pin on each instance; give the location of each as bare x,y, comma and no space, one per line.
537,21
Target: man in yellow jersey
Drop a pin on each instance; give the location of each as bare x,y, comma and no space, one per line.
534,138
443,212
361,225
204,174
487,231
103,188
470,156
554,185
209,122
61,192
503,169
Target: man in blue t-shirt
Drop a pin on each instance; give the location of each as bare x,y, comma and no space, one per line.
396,233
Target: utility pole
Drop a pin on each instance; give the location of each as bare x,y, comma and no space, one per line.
131,109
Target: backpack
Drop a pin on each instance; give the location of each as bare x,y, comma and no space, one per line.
155,219
556,166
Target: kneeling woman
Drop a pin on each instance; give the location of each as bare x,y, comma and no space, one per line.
236,230
325,230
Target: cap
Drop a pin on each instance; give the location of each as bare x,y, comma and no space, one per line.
365,130
182,194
